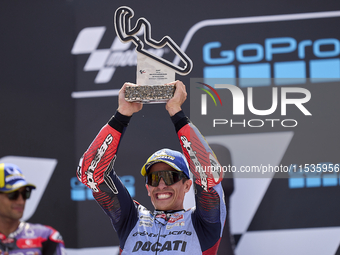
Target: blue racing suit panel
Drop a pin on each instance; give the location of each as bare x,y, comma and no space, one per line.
208,226
123,217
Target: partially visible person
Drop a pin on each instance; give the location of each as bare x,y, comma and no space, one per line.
18,237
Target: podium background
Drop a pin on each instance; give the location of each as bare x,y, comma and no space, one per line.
46,115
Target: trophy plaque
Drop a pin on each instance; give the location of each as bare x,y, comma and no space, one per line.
153,72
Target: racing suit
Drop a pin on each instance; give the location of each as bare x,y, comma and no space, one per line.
32,239
140,231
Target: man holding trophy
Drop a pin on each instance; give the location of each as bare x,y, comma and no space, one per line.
169,229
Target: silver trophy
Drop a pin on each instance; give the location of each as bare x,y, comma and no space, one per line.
153,72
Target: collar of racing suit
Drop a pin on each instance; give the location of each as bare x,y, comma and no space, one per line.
166,214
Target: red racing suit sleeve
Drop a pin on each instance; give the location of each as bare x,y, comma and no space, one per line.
96,172
99,158
210,214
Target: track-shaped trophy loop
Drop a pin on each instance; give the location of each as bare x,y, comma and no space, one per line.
122,25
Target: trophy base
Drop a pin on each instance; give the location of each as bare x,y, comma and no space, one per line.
149,94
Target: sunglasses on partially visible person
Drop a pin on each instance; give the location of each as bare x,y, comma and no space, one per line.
169,177
26,194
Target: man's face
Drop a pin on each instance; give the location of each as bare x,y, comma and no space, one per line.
165,197
12,210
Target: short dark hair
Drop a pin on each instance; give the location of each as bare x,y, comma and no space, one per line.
184,179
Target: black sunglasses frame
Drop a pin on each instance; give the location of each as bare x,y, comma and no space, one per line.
26,194
169,177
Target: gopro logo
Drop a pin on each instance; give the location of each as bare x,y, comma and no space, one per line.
249,55
286,72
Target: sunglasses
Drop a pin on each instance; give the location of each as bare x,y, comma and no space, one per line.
26,193
169,177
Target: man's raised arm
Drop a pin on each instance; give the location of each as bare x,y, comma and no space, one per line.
102,151
210,214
